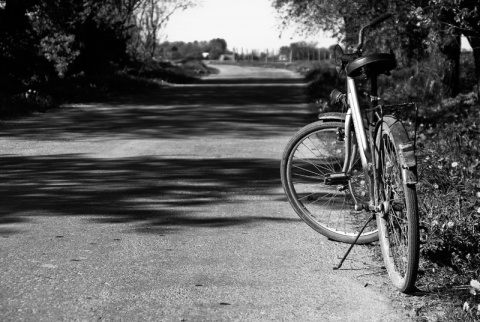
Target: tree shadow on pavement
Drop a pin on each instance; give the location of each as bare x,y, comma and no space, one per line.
156,192
245,109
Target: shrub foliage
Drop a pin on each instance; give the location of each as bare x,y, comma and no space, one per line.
449,194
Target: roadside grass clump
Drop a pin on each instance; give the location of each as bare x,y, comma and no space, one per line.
196,67
165,71
449,195
181,72
32,95
449,205
24,103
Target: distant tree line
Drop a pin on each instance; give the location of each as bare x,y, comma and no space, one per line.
177,50
303,50
215,48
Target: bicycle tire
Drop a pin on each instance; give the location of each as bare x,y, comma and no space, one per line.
398,223
313,152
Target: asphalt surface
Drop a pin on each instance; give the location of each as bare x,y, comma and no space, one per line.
169,207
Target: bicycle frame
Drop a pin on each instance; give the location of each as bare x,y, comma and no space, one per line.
354,118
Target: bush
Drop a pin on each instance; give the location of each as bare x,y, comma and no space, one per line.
24,103
322,78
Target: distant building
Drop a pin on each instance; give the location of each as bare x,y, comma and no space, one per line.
206,55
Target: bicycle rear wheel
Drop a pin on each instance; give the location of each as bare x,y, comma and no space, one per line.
398,223
315,151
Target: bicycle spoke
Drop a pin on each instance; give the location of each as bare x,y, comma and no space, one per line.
400,251
313,153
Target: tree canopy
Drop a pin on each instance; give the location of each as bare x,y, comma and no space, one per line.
53,38
420,28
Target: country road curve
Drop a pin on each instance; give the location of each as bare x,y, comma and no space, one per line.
169,207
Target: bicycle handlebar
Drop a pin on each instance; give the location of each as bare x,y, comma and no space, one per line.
373,23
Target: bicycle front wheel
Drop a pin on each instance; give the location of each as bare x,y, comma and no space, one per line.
398,223
315,151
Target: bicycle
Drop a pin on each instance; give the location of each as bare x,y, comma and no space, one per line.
345,169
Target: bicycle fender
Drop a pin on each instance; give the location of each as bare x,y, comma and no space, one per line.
332,117
405,148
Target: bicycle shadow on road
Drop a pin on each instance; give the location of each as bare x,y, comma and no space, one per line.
159,194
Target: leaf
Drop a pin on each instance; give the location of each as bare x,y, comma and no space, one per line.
475,284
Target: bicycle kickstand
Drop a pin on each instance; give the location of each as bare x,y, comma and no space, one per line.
354,242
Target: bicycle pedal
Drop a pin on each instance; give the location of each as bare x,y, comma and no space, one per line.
339,179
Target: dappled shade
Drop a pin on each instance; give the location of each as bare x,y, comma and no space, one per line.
243,108
159,191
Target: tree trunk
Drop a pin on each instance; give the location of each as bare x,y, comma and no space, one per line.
352,27
475,44
449,45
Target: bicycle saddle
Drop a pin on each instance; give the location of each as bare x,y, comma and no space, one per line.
374,64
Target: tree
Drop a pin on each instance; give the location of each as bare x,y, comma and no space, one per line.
323,53
19,61
304,51
152,15
407,35
40,37
285,50
89,35
340,17
460,17
217,47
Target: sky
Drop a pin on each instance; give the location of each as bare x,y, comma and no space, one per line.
247,24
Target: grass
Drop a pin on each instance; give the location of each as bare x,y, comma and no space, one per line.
449,203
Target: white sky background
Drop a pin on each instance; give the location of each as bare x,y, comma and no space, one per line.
247,24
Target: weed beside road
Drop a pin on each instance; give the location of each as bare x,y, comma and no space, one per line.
137,78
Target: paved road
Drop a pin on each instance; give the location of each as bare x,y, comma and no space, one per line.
168,207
